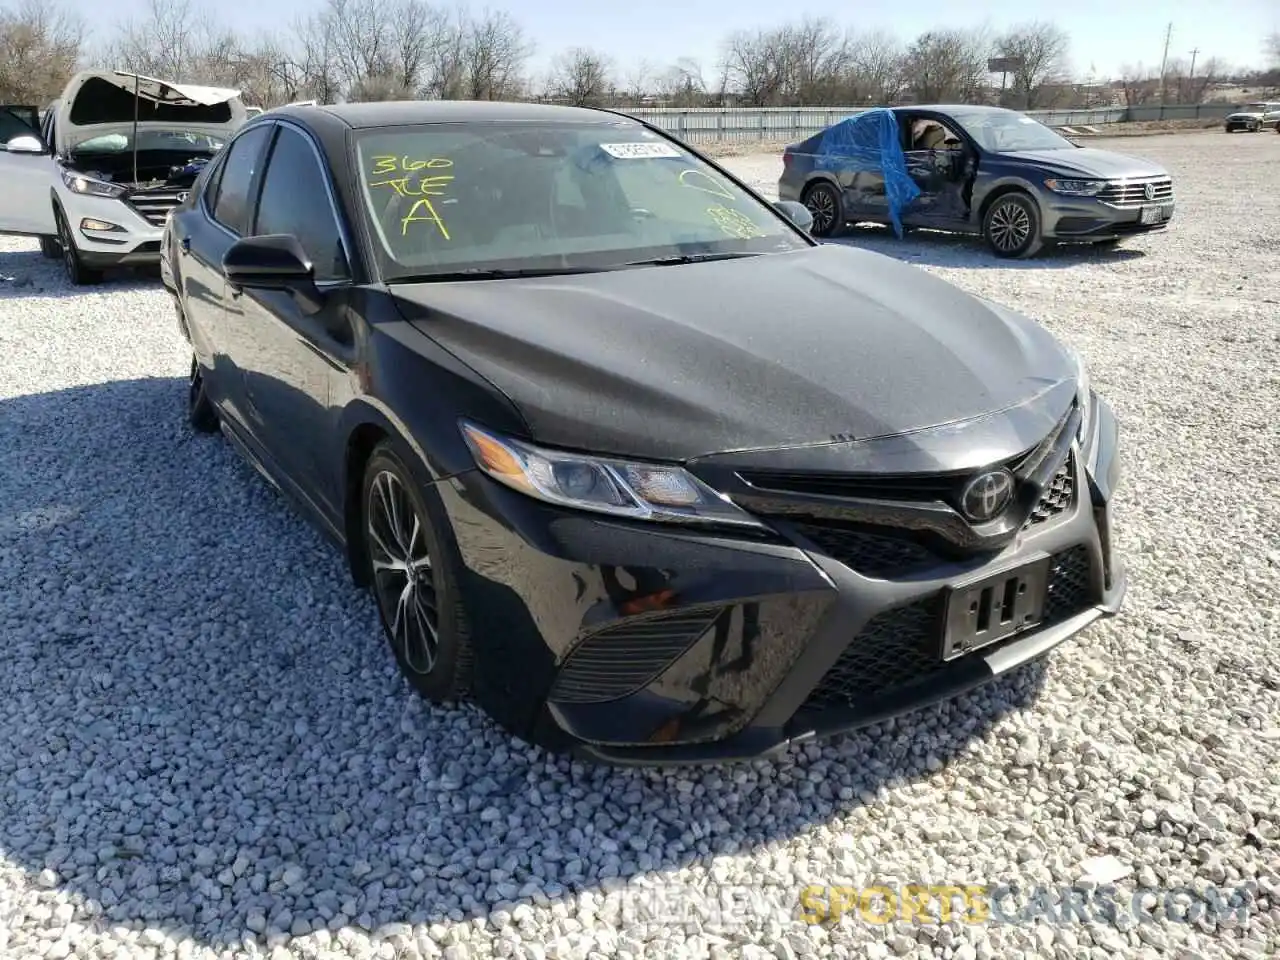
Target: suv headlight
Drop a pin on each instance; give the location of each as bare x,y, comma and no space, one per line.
79,183
621,488
1076,188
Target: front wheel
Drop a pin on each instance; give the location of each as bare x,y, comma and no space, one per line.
1012,226
51,248
77,273
412,567
822,200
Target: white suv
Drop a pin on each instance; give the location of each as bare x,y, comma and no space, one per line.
1253,117
110,158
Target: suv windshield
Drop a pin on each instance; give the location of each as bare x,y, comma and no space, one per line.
174,139
445,198
1006,132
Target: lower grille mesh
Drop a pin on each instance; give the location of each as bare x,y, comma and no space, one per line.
867,553
621,659
899,647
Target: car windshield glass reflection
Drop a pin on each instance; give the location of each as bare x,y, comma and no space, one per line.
1010,132
452,198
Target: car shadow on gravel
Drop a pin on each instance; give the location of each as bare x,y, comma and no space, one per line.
203,735
936,249
26,273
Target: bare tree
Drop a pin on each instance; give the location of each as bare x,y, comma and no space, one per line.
1041,52
1140,85
875,69
636,81
682,84
755,65
497,51
1184,86
40,46
581,77
1271,46
947,66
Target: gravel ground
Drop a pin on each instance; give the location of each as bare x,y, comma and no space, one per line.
205,750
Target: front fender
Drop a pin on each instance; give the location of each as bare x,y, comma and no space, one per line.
988,186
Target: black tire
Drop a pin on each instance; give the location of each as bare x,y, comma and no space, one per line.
51,248
823,203
201,412
391,489
77,273
1011,226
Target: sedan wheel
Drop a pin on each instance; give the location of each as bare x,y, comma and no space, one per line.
200,409
412,580
823,202
1012,226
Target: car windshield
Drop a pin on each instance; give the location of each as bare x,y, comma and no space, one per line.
448,198
173,139
1007,132
1256,107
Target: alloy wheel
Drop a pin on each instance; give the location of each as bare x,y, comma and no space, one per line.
403,577
822,204
1010,226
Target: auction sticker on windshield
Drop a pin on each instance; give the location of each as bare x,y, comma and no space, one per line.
638,151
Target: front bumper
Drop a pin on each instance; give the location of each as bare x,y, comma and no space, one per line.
1084,218
641,644
136,242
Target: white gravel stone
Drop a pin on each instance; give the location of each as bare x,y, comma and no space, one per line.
205,750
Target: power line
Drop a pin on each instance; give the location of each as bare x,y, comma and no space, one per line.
1168,35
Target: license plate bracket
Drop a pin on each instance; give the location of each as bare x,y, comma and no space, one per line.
994,607
1154,213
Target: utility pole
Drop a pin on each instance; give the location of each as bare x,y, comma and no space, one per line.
1168,34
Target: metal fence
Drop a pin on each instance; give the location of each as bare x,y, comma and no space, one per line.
796,123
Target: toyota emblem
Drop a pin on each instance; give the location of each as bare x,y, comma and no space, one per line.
1149,191
986,495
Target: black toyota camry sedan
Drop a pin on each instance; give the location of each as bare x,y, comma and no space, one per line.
625,456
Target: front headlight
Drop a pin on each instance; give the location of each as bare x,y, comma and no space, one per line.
79,183
1076,188
640,491
1084,397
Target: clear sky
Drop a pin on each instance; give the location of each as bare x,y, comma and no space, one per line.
1105,34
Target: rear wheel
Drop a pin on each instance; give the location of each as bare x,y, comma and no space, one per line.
77,272
823,202
200,409
412,565
1012,226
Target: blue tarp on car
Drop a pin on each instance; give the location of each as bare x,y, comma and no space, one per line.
871,141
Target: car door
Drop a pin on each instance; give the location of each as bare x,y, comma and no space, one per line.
936,156
202,236
26,179
298,353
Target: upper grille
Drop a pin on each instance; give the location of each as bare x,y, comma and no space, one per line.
1132,193
621,659
900,647
154,205
1057,497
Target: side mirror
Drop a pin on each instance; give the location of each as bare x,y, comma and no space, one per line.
797,213
25,143
273,262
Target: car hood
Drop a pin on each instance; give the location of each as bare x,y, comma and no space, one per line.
826,344
97,103
1246,114
1088,162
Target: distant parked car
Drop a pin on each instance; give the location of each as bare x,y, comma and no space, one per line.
95,177
1252,117
996,173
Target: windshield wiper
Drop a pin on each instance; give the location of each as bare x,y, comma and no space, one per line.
487,273
688,258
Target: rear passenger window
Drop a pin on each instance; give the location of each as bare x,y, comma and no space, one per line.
295,200
232,205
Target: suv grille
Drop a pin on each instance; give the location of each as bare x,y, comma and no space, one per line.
898,648
1132,193
154,205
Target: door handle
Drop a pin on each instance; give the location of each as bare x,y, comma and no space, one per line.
185,243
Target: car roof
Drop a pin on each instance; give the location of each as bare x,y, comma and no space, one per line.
391,113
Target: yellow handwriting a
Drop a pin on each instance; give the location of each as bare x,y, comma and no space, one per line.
429,215
698,180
